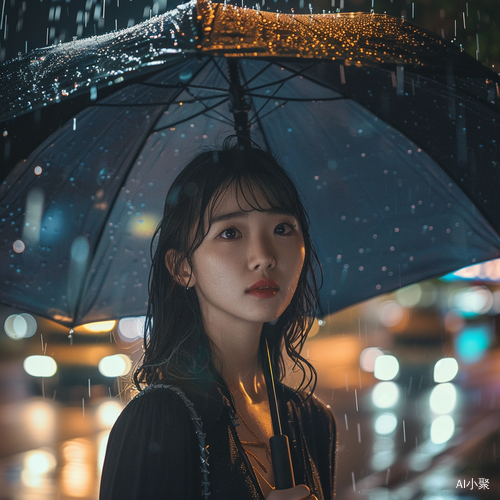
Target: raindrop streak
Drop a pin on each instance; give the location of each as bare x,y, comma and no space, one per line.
356,398
3,10
353,482
74,123
41,340
387,476
346,424
359,433
89,392
404,431
83,407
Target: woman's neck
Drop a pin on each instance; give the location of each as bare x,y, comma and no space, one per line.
237,358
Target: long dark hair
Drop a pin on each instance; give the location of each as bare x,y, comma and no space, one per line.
175,343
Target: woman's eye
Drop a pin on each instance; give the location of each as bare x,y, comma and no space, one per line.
283,229
229,233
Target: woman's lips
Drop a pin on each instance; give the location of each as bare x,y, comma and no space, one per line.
263,289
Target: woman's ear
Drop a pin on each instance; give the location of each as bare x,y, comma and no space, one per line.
181,273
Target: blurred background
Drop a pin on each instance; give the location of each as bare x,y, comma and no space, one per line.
412,377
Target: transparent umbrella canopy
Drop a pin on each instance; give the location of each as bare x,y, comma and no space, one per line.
390,133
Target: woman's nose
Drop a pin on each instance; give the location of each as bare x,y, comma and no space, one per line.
261,255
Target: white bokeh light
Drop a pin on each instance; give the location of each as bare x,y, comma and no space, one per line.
40,366
116,365
386,424
473,300
131,328
385,394
386,367
20,326
443,398
442,429
445,369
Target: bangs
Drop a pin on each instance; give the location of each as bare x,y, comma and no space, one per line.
256,192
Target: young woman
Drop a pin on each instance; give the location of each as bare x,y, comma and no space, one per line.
233,264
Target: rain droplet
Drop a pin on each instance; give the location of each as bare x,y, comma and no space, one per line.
19,246
38,170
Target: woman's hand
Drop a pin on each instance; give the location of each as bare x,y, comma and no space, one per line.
300,492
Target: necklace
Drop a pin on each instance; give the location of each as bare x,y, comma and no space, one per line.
258,444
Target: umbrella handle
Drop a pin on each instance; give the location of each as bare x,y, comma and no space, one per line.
280,448
282,462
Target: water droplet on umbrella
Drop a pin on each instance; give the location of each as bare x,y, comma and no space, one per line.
19,246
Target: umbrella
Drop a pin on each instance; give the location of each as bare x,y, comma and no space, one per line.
389,132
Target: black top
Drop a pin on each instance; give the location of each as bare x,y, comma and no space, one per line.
153,452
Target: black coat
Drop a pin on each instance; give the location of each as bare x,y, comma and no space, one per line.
153,452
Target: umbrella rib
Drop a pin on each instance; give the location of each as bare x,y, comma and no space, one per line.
184,86
294,74
299,99
268,100
259,73
194,116
257,118
212,108
164,103
307,77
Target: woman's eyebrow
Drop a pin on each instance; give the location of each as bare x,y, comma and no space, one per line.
244,213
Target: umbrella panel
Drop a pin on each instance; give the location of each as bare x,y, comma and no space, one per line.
383,213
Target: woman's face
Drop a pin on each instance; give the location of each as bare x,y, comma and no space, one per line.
248,265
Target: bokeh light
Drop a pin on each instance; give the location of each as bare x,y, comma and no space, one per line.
99,326
383,453
107,413
409,296
367,358
472,342
385,394
131,329
472,301
442,429
20,326
391,313
40,461
116,365
40,366
445,369
443,398
386,424
386,367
